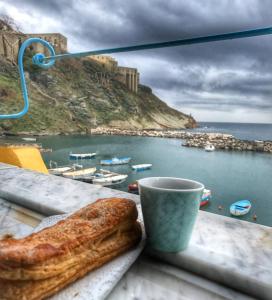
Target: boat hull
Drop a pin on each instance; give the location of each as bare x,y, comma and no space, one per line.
82,156
139,168
240,208
112,162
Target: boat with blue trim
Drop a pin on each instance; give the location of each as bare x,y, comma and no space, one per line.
141,167
115,161
240,208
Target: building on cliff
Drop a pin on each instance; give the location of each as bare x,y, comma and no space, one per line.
128,76
10,42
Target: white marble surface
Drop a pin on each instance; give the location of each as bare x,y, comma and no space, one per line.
149,279
235,253
146,279
49,194
15,221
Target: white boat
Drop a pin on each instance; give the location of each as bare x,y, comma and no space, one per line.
81,155
58,170
105,177
115,179
83,175
209,148
142,167
115,161
29,139
240,208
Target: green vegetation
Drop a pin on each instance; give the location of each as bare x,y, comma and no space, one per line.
68,98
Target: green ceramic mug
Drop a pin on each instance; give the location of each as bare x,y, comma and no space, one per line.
170,207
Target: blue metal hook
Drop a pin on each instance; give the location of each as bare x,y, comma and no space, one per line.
37,59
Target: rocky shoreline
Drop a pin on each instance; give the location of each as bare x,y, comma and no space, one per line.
190,139
194,139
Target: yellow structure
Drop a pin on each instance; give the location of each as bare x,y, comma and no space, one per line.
27,157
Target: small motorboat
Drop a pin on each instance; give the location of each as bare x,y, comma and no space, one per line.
141,167
59,170
82,175
105,178
240,208
112,180
81,155
54,169
206,197
133,187
29,139
115,161
209,148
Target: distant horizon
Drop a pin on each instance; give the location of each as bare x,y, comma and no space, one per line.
233,122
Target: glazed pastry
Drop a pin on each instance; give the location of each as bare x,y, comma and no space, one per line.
43,263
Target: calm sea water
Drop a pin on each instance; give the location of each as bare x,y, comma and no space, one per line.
230,175
246,131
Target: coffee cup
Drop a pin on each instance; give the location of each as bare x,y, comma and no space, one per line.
170,207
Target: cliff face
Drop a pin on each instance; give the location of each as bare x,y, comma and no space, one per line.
70,98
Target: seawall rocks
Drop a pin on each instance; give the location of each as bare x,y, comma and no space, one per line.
193,139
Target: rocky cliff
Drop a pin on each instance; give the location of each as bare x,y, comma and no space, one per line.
70,98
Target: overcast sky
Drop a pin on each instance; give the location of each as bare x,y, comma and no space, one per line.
228,81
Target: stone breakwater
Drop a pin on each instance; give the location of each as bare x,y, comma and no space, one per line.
194,139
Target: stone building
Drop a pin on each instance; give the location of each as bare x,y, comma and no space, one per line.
128,76
11,41
107,62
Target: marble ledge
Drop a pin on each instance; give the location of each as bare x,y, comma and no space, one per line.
232,252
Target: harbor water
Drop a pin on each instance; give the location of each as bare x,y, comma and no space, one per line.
230,175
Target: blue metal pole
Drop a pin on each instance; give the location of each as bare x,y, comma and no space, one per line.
175,43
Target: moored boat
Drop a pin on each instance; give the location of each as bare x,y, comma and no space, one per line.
206,197
240,208
29,139
82,175
59,170
209,148
105,178
142,167
81,155
115,161
133,187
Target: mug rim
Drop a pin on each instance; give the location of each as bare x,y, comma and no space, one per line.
142,184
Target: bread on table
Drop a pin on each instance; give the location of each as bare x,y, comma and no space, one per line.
41,264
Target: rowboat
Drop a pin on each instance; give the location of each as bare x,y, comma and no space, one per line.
115,161
82,175
209,148
54,169
240,208
142,167
105,178
81,155
206,197
58,171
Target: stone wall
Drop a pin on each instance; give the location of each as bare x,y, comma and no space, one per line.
10,42
192,139
128,76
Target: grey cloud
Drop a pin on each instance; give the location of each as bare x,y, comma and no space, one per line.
112,23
